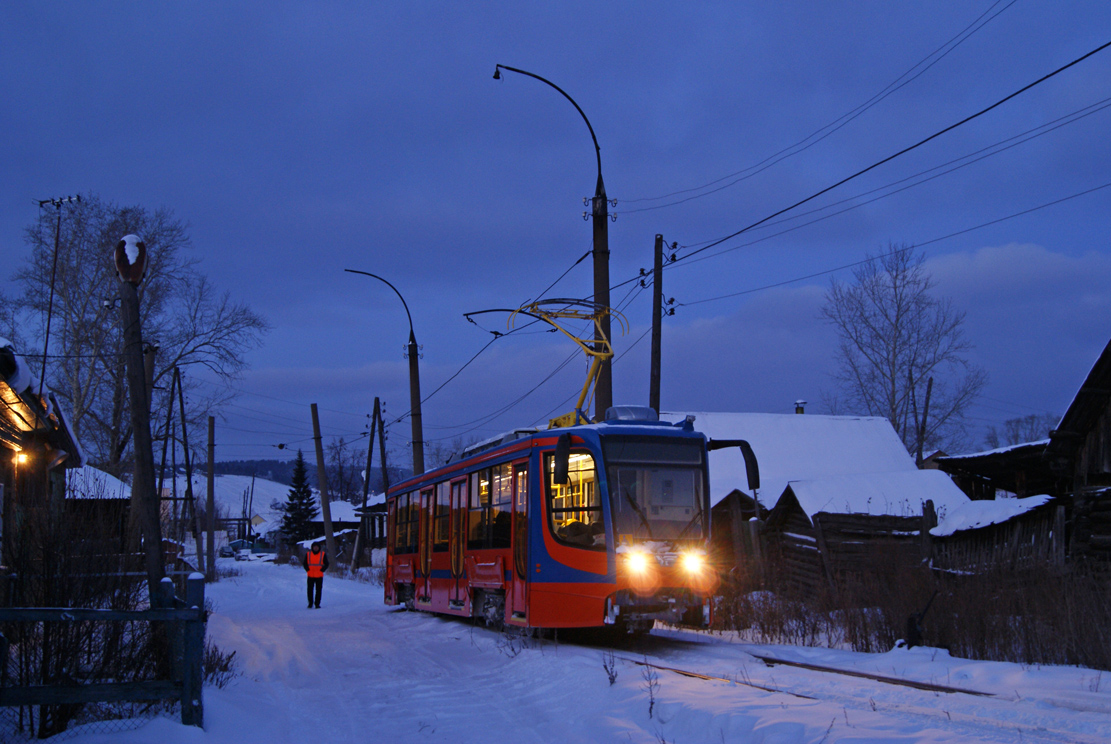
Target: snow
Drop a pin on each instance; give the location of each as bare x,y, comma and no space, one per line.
131,247
358,671
976,514
228,493
797,447
899,494
20,378
86,482
340,511
998,450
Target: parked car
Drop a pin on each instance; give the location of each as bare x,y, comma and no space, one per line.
226,551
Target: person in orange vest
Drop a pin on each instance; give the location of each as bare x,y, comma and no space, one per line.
315,563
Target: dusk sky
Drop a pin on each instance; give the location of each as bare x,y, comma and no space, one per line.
301,139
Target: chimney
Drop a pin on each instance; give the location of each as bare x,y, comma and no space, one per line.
799,406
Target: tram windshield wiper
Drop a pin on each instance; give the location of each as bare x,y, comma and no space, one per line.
636,508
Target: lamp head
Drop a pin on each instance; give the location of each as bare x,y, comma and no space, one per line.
497,72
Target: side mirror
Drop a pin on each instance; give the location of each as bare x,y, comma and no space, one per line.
752,468
562,456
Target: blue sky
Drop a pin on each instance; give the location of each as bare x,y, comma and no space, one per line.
300,139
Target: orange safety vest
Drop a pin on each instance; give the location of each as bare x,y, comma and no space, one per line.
316,565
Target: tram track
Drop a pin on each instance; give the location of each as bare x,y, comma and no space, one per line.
975,720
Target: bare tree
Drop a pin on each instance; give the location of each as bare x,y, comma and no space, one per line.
894,338
190,322
345,465
1020,430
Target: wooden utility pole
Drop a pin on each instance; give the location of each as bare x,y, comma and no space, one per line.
145,502
210,543
189,497
322,481
657,312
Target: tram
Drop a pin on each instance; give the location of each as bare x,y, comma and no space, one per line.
590,525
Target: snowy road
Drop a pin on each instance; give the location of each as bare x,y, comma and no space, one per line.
357,671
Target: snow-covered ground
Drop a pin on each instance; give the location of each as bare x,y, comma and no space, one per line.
358,671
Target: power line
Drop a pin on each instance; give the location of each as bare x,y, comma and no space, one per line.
905,150
833,126
915,245
969,158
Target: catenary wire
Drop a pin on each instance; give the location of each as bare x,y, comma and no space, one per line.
916,245
903,151
833,126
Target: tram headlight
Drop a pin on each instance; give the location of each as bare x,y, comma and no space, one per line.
636,562
693,563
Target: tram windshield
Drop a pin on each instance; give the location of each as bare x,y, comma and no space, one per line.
656,488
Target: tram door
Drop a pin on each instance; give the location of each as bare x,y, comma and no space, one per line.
424,583
518,593
458,541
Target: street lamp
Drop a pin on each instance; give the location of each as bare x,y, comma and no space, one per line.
414,380
603,390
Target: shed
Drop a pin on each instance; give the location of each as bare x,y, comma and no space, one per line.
1079,454
830,529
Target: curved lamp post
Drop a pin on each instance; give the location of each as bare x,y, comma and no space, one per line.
603,391
414,380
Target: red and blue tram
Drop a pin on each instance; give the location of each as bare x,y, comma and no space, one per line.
590,525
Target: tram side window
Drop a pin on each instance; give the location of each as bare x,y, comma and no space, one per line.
501,504
491,501
441,518
408,522
575,508
476,513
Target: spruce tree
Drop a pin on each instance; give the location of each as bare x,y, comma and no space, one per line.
300,507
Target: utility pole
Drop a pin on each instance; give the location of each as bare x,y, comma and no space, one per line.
57,204
603,388
322,481
210,543
657,312
414,400
130,259
189,497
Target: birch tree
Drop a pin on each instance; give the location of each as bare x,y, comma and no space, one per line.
192,324
894,337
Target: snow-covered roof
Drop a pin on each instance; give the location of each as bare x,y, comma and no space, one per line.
899,494
977,514
797,447
340,511
998,450
307,544
86,482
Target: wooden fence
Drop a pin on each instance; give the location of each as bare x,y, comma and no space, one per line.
184,623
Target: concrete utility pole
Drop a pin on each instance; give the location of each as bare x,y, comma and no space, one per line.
603,388
322,481
657,312
413,352
130,257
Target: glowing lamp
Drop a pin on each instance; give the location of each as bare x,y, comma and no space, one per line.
637,562
694,562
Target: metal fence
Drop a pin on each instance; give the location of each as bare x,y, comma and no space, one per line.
69,669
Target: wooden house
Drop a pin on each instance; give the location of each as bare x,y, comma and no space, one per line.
36,446
1079,456
812,452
